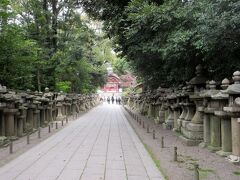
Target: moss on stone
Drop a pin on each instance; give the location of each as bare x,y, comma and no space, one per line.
237,173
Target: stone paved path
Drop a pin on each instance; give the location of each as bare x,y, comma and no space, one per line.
101,145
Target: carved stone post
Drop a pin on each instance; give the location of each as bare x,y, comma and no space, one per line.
226,130
9,115
182,99
193,131
233,111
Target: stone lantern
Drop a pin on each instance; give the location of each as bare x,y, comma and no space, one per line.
78,103
151,107
129,101
177,109
136,102
189,106
36,114
49,95
9,113
169,122
193,131
68,104
81,101
139,102
226,131
21,115
212,123
183,97
30,111
43,109
3,139
134,106
233,110
142,103
144,107
74,105
158,105
60,101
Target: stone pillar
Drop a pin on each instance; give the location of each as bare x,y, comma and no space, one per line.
24,116
78,104
10,122
3,90
212,123
54,106
190,110
36,113
157,111
59,110
169,122
138,105
74,106
177,112
233,110
50,111
42,116
150,113
145,107
182,100
162,112
142,106
2,120
9,113
49,106
193,131
46,113
29,118
20,121
206,130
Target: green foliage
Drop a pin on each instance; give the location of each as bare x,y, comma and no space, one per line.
164,40
45,43
40,46
17,56
120,66
64,86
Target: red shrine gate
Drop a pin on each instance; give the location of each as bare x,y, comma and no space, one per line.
113,84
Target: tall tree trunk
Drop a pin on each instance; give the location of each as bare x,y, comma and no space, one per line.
54,24
38,81
46,26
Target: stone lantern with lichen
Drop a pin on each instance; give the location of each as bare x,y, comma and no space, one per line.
233,110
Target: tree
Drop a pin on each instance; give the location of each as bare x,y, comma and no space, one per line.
17,54
164,40
47,44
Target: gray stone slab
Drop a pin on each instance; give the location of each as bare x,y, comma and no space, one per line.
99,145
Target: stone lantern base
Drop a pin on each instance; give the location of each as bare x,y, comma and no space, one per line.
3,141
234,159
192,134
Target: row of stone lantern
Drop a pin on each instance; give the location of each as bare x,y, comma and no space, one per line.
24,112
201,113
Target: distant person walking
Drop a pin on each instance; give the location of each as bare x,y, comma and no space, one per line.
116,100
119,100
108,100
112,100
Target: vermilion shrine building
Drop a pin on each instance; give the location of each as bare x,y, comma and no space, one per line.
113,84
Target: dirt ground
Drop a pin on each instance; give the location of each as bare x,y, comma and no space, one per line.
211,165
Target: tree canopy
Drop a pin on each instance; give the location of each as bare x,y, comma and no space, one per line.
54,44
51,44
164,40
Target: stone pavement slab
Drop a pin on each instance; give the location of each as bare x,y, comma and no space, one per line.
101,145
